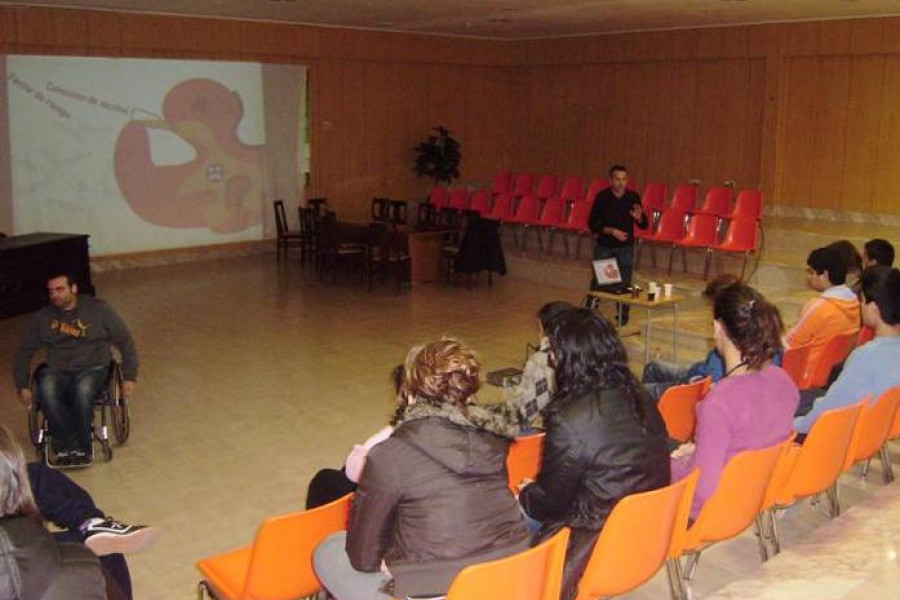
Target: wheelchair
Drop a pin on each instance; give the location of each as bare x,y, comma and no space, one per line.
110,407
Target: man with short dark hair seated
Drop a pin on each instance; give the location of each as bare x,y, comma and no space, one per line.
878,253
871,368
834,312
77,332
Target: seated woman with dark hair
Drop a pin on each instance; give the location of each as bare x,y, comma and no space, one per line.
605,439
433,497
753,405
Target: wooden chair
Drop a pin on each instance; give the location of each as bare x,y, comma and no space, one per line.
308,246
871,433
287,238
524,459
636,539
278,564
535,574
333,254
737,502
814,467
678,408
386,254
319,205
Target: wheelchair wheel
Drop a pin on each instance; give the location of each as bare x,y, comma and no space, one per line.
121,415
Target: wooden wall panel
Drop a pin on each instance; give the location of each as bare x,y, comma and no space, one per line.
829,131
865,95
887,156
798,127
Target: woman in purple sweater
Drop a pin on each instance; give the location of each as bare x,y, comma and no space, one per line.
753,405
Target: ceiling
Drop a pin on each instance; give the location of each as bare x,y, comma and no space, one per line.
503,19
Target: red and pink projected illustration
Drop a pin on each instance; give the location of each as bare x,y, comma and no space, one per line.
219,189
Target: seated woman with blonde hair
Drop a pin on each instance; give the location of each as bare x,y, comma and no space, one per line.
433,497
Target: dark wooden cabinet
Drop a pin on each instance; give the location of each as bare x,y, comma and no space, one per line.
27,260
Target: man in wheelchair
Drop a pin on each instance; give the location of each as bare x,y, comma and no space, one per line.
77,332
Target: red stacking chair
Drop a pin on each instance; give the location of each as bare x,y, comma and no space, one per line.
578,222
481,202
866,334
685,198
670,231
597,186
459,199
749,205
523,184
528,213
717,202
439,197
573,189
654,198
632,185
553,217
547,186
794,362
703,232
742,237
503,208
502,183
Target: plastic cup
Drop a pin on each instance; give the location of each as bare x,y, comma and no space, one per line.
667,289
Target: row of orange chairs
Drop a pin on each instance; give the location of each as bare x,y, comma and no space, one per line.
753,485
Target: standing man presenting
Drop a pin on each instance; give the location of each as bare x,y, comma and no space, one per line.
615,212
77,332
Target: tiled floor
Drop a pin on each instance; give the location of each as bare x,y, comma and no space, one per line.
255,375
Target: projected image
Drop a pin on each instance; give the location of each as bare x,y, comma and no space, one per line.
151,154
219,188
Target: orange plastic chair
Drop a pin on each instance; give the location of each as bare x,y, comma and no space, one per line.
871,433
717,202
815,467
578,223
794,362
669,231
685,198
523,184
836,351
572,189
636,539
749,204
481,202
866,334
278,565
742,237
547,186
535,574
737,502
524,459
678,408
502,183
702,233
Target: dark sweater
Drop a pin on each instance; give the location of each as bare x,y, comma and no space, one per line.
76,339
609,211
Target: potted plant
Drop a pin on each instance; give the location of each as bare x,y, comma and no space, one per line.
438,157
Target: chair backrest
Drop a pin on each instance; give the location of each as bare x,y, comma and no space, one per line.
425,214
894,431
581,213
742,234
502,183
654,198
794,362
685,198
739,496
459,198
873,426
636,539
523,184
398,212
749,204
381,209
671,225
554,212
439,197
481,202
597,186
307,222
866,334
836,351
816,465
678,408
717,201
318,205
524,458
280,217
503,207
529,208
281,557
547,186
535,574
573,188
703,229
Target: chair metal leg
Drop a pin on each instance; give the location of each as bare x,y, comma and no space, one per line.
865,468
706,264
676,584
578,247
773,531
761,537
683,259
887,469
690,568
652,255
202,590
744,268
834,502
671,256
637,253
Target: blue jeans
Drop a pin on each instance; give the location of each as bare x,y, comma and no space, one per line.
67,400
624,256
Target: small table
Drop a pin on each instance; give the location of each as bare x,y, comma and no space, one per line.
641,302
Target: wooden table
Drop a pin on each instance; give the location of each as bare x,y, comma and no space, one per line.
641,301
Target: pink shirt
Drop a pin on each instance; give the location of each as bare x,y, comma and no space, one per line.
742,412
356,460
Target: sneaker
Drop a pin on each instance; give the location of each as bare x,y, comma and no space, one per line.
108,536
